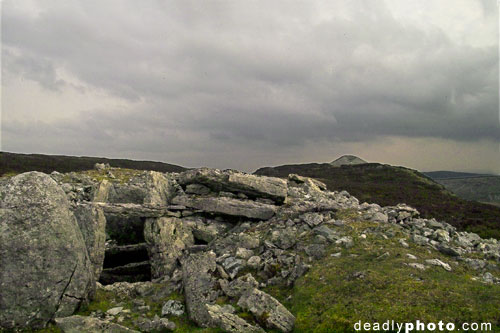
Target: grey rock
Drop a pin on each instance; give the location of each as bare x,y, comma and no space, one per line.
200,287
441,235
312,219
420,240
46,270
417,266
248,242
243,253
167,239
231,181
254,262
232,266
284,238
230,322
346,241
114,311
228,206
239,286
437,262
92,223
403,243
268,309
197,189
160,189
172,307
449,250
78,324
317,251
326,232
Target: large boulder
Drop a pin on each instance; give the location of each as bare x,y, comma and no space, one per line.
230,322
227,206
92,224
233,181
46,271
200,286
267,309
166,238
160,189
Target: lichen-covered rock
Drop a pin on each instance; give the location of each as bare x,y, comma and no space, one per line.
92,224
46,271
228,206
233,181
166,238
160,189
230,322
78,324
200,287
267,309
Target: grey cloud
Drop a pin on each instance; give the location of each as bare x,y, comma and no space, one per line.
249,76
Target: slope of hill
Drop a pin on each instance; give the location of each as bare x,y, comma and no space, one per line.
13,163
470,186
388,185
452,174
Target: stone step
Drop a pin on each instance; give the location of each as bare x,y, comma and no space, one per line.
119,255
133,272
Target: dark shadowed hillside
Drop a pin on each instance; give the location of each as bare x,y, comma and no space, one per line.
17,163
470,186
389,185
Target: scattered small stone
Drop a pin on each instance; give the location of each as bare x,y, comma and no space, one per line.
437,262
172,307
114,311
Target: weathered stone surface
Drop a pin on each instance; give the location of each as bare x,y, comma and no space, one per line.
237,287
160,189
101,191
200,287
228,206
166,238
46,270
232,181
92,224
230,322
172,307
268,309
78,324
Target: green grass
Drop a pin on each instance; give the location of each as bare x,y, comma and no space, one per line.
330,299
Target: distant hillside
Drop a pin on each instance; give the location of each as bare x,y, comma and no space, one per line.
347,160
452,174
18,163
389,185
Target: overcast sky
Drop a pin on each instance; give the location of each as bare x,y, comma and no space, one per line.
245,84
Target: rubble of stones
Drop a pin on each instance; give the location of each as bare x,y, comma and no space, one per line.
213,234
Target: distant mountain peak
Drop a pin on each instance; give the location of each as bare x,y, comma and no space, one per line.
347,160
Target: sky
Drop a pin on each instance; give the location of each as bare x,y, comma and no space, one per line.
245,84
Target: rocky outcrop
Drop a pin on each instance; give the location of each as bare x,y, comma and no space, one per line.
230,322
267,309
92,224
228,206
200,286
167,239
237,182
46,271
222,236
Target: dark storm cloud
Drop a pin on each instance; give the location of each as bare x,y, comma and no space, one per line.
248,75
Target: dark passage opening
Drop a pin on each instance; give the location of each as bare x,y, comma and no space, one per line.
127,260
